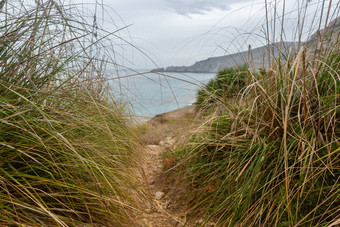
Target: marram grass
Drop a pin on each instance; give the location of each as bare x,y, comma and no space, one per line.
67,152
271,157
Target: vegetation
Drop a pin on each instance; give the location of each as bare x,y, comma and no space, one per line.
67,151
270,158
227,84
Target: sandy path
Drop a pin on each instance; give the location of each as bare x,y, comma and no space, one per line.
165,207
158,212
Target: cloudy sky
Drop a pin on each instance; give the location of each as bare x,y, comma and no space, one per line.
180,32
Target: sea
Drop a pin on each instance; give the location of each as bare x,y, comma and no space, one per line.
149,94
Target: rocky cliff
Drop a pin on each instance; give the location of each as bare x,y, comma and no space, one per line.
215,64
329,38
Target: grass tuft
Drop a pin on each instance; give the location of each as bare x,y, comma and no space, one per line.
68,155
270,155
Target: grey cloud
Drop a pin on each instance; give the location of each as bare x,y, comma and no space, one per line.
187,7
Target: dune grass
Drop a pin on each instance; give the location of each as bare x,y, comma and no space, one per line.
227,84
271,158
68,155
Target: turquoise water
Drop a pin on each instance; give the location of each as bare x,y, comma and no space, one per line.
151,94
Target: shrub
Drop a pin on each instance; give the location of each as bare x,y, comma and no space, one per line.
228,83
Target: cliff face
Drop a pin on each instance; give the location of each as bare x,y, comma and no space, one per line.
331,37
215,64
260,55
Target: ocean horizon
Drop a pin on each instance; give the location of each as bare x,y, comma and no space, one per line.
149,94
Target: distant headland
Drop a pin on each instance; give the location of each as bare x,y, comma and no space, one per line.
254,57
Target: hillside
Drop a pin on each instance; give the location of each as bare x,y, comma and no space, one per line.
215,64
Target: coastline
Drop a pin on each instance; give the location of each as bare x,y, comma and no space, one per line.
174,114
166,116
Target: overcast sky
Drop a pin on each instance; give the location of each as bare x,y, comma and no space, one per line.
180,32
